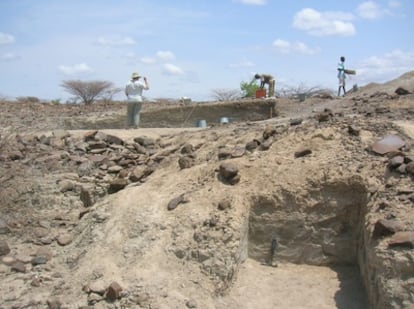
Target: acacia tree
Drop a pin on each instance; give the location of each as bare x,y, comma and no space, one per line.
225,94
87,91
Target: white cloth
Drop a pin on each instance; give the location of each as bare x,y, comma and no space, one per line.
133,90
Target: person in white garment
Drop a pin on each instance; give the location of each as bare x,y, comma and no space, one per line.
133,91
341,76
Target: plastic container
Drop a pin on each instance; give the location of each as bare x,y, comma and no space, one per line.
224,120
260,93
202,123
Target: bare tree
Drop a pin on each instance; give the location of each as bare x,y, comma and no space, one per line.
225,94
87,91
302,92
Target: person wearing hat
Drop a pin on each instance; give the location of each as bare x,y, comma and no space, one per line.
133,91
269,80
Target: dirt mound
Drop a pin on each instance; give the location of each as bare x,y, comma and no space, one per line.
307,202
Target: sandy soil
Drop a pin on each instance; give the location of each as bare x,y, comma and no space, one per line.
296,287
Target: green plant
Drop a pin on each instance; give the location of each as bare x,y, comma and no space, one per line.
249,88
55,101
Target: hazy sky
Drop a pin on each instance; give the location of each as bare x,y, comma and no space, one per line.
189,48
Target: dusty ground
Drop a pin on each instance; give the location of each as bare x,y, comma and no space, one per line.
82,209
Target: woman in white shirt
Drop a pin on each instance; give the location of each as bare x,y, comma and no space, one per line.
133,91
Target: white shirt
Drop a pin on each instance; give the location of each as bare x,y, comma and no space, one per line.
133,90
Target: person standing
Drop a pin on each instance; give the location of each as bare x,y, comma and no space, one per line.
133,91
341,76
269,80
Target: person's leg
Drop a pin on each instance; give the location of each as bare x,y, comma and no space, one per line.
136,116
272,88
130,114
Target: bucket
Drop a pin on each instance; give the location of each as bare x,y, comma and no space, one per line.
202,123
260,93
224,120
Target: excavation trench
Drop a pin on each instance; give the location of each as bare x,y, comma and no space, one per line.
319,233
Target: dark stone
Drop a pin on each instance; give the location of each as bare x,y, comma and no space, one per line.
38,260
113,292
111,139
187,149
185,162
302,152
176,201
19,267
117,185
410,168
401,91
4,248
4,229
86,197
395,162
353,130
228,170
296,121
250,146
224,204
385,227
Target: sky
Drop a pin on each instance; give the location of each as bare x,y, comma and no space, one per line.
191,48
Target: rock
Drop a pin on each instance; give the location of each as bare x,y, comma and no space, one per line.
4,228
410,168
8,260
38,260
141,172
402,239
224,154
115,169
323,117
112,139
354,130
66,185
385,227
266,144
401,91
228,170
268,132
144,141
238,152
113,292
64,239
54,303
86,197
176,201
19,267
187,149
191,303
224,204
4,248
97,287
250,146
302,152
117,185
295,121
45,252
395,162
185,162
388,144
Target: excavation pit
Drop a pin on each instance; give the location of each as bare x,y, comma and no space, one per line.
303,249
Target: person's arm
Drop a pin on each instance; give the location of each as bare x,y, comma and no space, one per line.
126,91
146,83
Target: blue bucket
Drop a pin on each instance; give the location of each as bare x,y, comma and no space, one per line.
202,123
224,120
